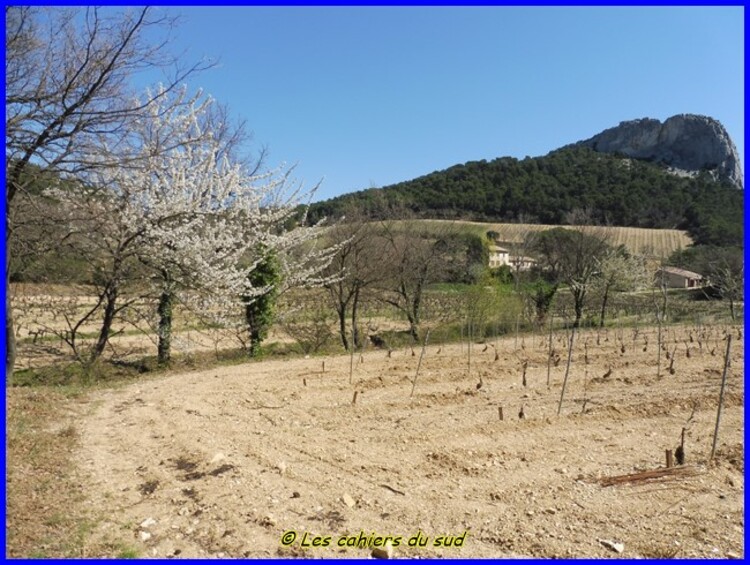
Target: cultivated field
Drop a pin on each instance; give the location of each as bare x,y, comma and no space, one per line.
656,243
225,462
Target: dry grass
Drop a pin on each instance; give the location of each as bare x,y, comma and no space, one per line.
45,512
44,518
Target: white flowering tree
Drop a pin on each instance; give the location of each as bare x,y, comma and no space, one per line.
619,271
179,218
67,87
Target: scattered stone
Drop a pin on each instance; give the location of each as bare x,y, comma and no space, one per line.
296,494
148,522
281,467
268,520
348,500
145,536
615,546
385,552
218,457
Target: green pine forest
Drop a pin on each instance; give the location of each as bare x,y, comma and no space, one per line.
615,190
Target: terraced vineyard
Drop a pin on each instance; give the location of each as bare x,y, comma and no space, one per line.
655,243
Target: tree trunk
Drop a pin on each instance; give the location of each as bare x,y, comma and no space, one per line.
604,306
10,335
255,340
413,326
415,313
342,327
110,310
253,330
579,312
164,310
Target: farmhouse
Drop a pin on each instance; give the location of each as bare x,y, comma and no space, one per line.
498,257
522,263
674,277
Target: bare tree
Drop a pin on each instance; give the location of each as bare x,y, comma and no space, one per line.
572,257
728,277
414,260
68,93
359,264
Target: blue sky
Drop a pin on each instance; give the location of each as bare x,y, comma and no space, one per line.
369,96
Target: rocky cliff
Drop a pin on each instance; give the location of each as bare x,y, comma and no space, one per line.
686,143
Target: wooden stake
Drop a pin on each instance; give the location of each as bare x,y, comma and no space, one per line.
468,345
658,348
567,370
670,461
500,413
549,350
304,382
419,364
671,361
354,399
721,395
324,366
351,361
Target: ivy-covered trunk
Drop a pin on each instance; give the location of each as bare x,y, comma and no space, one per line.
253,329
543,295
164,346
259,310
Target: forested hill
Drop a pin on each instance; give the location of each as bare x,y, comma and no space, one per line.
618,191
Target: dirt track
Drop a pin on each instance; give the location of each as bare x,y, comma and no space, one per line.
224,462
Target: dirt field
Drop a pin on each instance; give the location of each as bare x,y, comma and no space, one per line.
224,462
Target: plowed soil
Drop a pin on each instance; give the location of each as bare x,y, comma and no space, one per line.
224,462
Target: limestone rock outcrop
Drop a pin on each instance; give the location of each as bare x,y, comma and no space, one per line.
685,143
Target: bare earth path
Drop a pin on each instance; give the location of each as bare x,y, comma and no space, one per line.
223,462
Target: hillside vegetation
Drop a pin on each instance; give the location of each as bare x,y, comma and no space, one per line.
651,242
544,190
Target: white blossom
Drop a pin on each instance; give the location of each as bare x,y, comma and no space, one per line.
184,208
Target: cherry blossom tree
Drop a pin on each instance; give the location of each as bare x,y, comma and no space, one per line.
68,88
620,271
180,219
